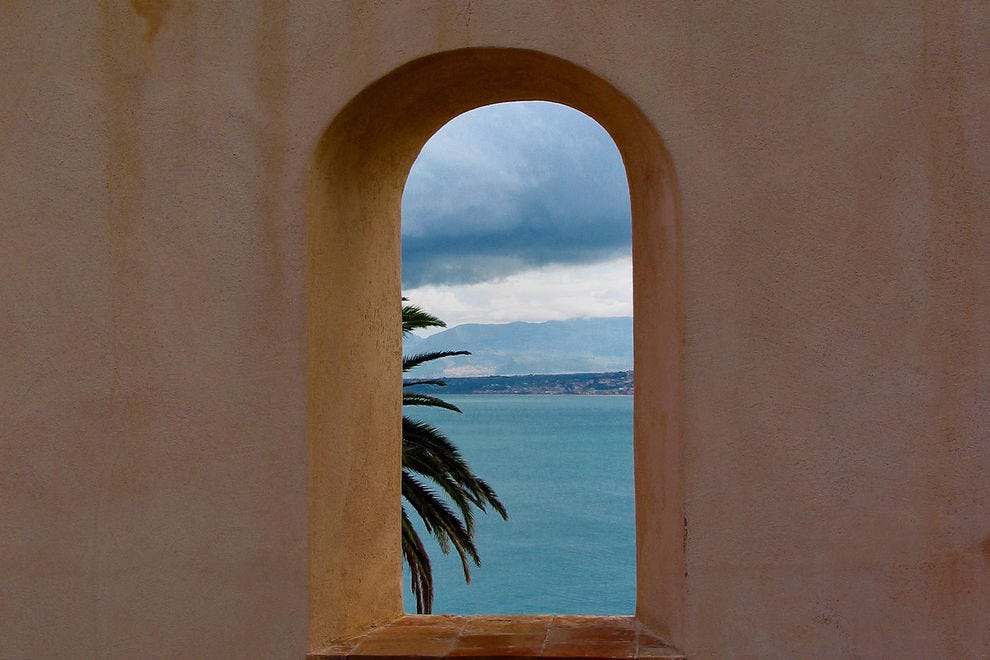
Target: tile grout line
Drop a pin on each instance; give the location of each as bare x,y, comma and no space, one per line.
455,639
546,635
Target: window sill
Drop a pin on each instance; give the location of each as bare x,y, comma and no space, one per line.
518,637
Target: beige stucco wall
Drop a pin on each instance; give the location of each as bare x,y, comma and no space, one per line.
833,169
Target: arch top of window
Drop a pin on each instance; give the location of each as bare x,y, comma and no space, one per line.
354,343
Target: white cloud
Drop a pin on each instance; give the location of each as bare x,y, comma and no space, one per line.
550,293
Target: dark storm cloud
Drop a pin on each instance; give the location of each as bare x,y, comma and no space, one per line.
511,187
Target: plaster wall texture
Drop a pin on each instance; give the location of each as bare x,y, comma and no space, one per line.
158,390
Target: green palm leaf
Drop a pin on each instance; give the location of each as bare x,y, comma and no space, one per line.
446,471
441,521
438,459
418,359
409,382
420,399
418,560
414,318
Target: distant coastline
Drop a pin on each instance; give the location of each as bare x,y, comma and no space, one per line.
577,346
608,383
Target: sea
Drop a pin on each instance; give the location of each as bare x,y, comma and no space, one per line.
563,467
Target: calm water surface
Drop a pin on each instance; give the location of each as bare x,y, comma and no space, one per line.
563,467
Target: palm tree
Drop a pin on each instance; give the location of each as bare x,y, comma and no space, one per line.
428,456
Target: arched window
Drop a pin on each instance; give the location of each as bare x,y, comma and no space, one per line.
354,345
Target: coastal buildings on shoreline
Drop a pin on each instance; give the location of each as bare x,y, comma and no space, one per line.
611,383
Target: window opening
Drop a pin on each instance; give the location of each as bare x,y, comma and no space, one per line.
516,231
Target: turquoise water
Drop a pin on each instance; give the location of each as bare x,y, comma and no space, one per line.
563,467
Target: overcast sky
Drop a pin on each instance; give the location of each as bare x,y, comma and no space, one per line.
518,212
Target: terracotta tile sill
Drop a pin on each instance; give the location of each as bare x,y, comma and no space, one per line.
490,637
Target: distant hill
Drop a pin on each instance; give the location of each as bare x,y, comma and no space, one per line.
507,349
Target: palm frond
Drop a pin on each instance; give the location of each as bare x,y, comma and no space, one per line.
438,459
420,571
409,382
440,521
443,471
419,358
414,318
428,457
420,399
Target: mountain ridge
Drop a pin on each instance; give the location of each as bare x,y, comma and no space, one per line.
588,345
